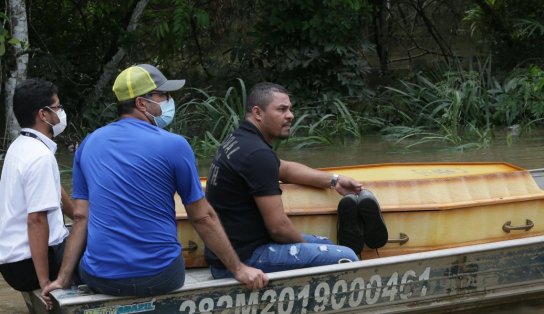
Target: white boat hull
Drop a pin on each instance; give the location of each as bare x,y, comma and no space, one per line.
455,278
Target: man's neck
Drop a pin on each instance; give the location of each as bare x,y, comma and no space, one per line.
141,117
258,126
44,128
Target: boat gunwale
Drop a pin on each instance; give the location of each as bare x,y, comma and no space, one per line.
438,163
416,207
182,215
321,270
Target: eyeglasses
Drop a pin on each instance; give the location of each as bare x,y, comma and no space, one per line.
55,108
160,94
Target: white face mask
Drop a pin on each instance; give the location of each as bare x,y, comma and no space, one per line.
63,122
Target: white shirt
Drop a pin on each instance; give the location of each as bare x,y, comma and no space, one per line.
30,183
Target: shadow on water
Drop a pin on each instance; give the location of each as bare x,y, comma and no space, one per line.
526,152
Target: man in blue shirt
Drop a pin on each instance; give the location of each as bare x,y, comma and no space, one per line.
125,177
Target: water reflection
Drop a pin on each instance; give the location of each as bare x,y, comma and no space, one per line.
526,152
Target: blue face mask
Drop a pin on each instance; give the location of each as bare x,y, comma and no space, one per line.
168,109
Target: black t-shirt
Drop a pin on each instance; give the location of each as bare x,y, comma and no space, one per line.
244,166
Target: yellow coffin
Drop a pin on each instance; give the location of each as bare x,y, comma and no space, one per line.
425,206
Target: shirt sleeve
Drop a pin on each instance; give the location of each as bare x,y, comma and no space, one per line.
261,171
188,183
39,185
79,184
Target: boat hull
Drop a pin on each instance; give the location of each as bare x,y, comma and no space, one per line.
461,254
455,278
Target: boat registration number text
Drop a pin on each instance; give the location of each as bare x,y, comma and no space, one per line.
317,296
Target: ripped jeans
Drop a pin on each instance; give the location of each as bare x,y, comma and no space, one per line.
271,257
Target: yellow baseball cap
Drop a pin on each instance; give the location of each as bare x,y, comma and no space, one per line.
141,79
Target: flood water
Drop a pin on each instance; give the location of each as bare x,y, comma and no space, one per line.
526,151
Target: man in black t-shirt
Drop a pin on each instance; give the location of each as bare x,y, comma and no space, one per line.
243,187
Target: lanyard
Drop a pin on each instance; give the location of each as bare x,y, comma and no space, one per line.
25,133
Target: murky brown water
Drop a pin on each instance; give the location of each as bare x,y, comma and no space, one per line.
526,152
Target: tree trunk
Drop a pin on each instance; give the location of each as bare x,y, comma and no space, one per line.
111,68
381,33
435,34
17,73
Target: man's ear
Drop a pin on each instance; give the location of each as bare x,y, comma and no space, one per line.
257,113
41,115
139,104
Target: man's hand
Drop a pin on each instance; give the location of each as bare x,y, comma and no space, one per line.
46,296
253,278
347,185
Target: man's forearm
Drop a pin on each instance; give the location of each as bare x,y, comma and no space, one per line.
287,235
280,228
212,233
73,251
294,172
76,242
38,240
67,205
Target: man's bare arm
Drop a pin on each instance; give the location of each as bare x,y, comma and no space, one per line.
206,222
294,172
73,250
38,240
279,226
67,204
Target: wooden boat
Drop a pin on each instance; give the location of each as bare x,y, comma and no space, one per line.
462,235
457,203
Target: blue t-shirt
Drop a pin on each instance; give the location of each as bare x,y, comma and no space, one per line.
129,172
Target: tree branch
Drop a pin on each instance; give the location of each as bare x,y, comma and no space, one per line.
111,67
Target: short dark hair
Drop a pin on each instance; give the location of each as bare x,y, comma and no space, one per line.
30,96
260,95
126,106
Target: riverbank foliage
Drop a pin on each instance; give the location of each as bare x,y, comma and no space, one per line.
416,71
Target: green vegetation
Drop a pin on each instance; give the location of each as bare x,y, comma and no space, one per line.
466,105
315,46
416,71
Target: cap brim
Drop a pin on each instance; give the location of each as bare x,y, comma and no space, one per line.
171,85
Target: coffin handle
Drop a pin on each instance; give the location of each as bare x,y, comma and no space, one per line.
403,238
507,227
190,247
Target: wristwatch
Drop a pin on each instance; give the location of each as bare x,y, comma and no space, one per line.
334,180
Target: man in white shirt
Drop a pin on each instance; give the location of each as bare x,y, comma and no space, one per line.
32,231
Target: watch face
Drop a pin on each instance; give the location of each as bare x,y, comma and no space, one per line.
334,181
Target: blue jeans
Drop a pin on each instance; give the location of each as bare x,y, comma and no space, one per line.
316,251
169,279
